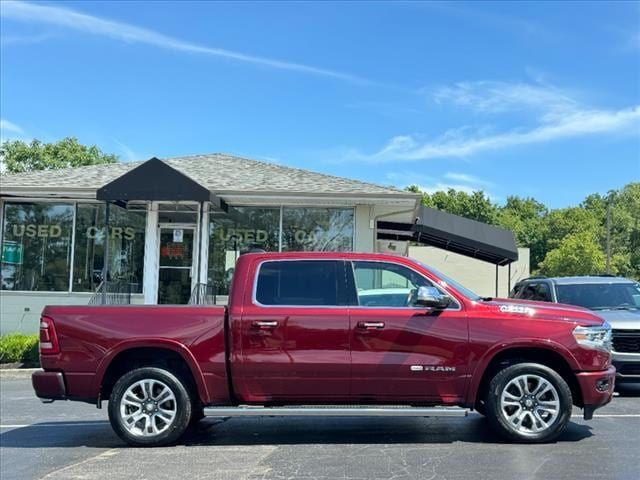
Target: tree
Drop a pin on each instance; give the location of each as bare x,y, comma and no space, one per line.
525,218
476,205
577,254
17,156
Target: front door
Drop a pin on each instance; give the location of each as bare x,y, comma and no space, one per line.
175,265
400,352
295,334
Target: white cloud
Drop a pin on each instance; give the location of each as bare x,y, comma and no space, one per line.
466,178
498,97
554,115
10,40
74,20
450,180
10,127
128,154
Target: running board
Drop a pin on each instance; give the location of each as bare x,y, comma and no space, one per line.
334,411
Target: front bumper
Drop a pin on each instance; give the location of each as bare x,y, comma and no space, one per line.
627,366
597,389
49,385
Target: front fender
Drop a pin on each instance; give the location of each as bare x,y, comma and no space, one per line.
515,344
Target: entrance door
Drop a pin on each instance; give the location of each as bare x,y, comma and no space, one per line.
175,265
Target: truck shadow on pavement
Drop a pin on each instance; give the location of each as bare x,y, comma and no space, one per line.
281,431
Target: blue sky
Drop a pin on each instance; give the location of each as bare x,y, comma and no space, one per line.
534,99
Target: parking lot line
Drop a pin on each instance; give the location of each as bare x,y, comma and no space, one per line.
56,424
89,424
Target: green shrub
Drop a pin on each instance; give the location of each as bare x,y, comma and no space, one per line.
21,348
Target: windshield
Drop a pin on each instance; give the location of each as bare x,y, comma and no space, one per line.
601,296
445,281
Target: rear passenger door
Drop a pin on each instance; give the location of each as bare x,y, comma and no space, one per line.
295,333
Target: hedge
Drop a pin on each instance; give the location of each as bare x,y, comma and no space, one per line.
19,348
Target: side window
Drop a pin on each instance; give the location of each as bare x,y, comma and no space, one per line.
528,291
380,284
543,293
535,291
299,283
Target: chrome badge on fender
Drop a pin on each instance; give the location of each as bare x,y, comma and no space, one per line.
432,368
517,309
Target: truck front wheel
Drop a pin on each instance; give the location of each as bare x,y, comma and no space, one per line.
529,402
150,407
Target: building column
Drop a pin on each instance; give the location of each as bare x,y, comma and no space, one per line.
204,244
150,283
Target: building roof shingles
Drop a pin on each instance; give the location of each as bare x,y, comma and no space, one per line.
218,172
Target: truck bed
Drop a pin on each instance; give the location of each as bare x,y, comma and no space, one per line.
91,337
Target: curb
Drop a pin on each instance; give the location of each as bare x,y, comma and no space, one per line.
17,372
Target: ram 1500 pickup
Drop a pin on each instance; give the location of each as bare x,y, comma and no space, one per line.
330,334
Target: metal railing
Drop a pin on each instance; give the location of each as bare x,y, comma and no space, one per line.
202,294
112,293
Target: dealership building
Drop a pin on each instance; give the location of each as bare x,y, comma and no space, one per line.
170,231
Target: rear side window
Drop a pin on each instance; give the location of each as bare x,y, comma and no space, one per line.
534,291
300,283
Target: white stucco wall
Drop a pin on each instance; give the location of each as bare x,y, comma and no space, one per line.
20,311
475,274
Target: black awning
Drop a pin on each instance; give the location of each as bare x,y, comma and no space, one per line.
154,180
456,234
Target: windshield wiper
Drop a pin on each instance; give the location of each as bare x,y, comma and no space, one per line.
485,299
623,307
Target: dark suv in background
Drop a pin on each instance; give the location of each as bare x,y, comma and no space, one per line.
615,299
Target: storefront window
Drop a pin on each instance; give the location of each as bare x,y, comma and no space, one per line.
317,229
303,229
126,247
36,246
230,235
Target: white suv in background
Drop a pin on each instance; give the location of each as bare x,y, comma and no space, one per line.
616,299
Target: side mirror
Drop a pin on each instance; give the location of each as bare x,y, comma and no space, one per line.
432,297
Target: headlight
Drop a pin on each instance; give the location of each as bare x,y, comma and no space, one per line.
594,337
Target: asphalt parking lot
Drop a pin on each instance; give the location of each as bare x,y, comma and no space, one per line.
67,440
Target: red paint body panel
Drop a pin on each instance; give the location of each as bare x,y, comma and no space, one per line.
322,354
90,337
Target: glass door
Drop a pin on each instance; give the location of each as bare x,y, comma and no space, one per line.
175,266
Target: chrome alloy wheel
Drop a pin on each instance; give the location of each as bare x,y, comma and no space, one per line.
148,408
530,404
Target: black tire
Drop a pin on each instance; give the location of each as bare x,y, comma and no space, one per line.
497,416
173,429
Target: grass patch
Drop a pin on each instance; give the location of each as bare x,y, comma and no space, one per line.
19,348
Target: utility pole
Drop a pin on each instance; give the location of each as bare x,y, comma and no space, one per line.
608,265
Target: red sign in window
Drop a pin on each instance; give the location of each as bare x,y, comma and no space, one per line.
172,250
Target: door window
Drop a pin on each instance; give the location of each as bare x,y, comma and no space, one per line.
381,284
304,283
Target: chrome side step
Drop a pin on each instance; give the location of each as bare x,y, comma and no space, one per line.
335,411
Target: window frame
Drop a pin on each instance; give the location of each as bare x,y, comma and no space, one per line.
353,293
342,291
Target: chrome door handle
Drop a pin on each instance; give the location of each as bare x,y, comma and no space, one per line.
371,325
265,324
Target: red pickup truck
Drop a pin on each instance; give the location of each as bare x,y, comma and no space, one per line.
330,334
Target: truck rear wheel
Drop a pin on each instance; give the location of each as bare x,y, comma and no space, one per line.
529,403
150,407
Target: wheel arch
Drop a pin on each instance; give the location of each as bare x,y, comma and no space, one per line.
134,354
548,354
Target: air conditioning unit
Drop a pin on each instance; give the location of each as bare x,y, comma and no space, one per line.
392,246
